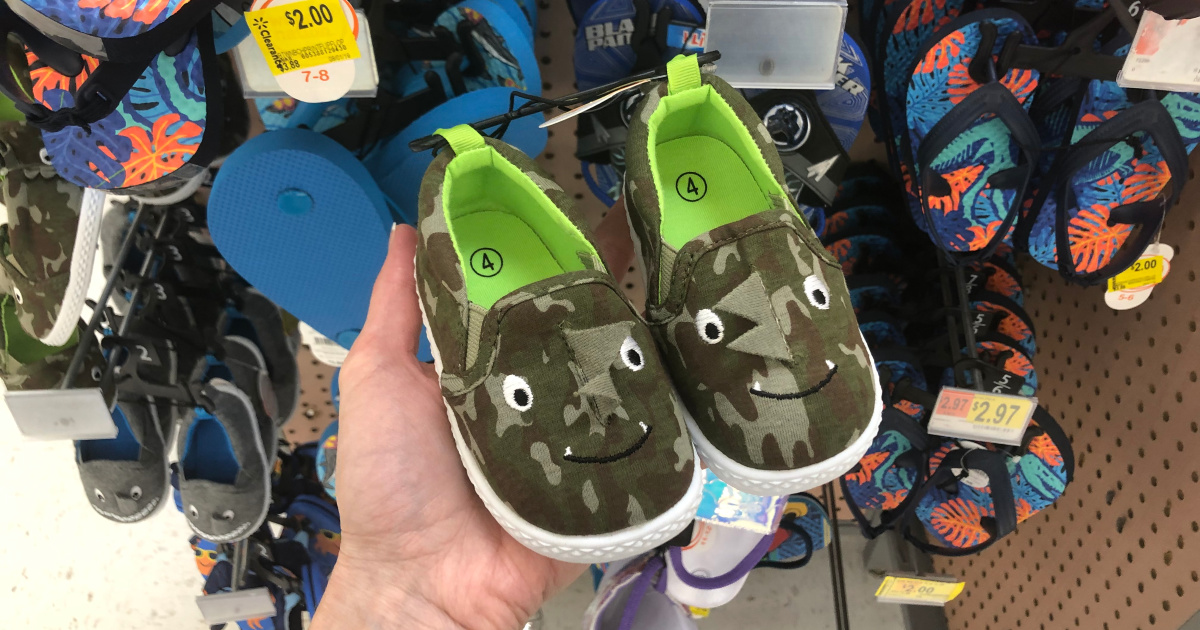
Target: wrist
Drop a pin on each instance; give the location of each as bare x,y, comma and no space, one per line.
365,595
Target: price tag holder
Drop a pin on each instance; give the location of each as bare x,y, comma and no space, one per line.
315,51
1133,287
988,417
1165,55
777,44
921,591
222,608
61,414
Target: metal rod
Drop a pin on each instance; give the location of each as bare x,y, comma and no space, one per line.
841,610
536,107
89,336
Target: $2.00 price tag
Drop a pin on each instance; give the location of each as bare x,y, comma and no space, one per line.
1143,272
915,590
972,415
301,35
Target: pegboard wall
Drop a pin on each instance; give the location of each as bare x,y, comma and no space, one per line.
315,410
1121,549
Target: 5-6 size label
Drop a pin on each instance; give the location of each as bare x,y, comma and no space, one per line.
300,35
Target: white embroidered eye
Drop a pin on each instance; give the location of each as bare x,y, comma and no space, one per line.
709,326
135,493
45,156
227,515
817,292
100,495
631,354
193,511
517,393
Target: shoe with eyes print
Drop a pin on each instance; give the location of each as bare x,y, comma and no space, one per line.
751,314
126,478
562,411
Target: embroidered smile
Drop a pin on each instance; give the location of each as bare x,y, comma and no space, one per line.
581,459
756,389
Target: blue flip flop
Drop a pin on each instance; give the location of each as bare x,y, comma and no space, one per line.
399,170
300,218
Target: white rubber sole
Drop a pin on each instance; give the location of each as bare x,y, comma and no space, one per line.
596,548
782,482
87,234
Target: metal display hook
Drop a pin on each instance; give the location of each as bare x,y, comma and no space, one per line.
536,104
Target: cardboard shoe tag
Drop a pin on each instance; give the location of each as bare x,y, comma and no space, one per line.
972,415
61,414
721,504
1132,287
922,591
222,608
324,349
309,46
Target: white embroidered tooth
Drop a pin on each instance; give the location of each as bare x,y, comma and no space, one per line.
568,453
830,364
756,386
645,429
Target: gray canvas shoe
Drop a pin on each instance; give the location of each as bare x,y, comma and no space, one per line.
260,321
127,477
225,467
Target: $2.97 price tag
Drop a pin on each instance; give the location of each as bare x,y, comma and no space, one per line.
920,591
972,415
296,36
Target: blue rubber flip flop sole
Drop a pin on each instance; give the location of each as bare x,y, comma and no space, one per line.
301,219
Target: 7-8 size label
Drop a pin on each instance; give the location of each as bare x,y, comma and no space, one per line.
304,34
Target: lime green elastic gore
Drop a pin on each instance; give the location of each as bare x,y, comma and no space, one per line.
683,73
22,347
462,138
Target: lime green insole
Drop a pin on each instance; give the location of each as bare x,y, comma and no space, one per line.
500,254
704,185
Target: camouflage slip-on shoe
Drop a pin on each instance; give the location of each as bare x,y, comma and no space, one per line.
750,312
561,409
50,240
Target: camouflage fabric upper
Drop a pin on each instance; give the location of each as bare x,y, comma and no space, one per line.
43,214
754,322
556,389
26,364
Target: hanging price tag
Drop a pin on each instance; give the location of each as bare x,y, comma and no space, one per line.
1143,272
303,34
967,414
1133,286
309,46
919,591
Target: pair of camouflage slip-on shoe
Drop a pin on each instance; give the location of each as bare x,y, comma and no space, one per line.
574,416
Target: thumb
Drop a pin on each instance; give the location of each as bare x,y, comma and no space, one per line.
393,318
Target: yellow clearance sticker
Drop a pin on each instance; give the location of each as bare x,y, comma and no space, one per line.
303,35
913,590
1147,271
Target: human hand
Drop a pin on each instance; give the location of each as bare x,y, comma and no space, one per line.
418,547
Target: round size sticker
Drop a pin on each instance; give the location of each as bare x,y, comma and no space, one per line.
486,262
691,186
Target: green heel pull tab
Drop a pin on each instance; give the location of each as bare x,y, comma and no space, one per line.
462,138
683,73
22,347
